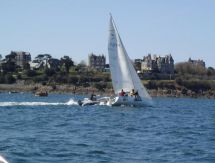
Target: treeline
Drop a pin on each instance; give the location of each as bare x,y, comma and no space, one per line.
178,84
7,79
62,71
188,71
47,76
188,77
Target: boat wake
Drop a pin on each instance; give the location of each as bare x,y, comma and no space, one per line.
70,102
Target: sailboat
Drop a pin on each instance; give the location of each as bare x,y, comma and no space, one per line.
124,76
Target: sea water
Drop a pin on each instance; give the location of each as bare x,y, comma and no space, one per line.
55,129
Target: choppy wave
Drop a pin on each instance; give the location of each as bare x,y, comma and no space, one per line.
70,102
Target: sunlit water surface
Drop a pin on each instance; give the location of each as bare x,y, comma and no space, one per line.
54,129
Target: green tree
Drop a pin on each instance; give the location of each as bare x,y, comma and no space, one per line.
2,79
211,71
30,73
188,68
67,62
26,66
50,71
9,66
9,79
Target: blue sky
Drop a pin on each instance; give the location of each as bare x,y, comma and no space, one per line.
184,28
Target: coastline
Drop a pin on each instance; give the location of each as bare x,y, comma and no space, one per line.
106,92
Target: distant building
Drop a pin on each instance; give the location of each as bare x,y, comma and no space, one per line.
149,64
197,62
137,64
107,68
164,65
97,61
19,57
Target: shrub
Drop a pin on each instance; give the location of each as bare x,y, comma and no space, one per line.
61,79
50,72
188,68
197,85
19,76
39,79
151,85
73,79
100,86
30,73
2,79
9,79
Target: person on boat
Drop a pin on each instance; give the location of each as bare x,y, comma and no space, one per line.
132,92
93,97
137,96
122,93
136,93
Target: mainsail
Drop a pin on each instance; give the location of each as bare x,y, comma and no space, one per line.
123,73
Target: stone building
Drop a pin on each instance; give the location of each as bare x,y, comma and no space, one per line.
160,64
197,62
137,64
149,63
97,62
19,57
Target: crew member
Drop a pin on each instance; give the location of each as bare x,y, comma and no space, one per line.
93,97
132,93
122,93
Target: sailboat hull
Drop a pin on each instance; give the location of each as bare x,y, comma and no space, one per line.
128,101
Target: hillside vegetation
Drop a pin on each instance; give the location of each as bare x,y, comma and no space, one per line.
188,79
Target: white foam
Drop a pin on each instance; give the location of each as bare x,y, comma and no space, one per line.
70,102
28,103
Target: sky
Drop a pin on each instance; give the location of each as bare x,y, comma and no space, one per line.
184,28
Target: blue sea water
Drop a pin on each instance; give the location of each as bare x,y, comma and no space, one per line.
52,129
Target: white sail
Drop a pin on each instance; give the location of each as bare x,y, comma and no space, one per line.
123,73
2,160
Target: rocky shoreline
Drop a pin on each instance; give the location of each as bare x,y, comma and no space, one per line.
107,92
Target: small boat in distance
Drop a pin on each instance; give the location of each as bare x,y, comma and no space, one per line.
125,79
10,92
41,93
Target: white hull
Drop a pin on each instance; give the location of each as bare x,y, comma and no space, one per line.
100,101
117,101
128,101
87,102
